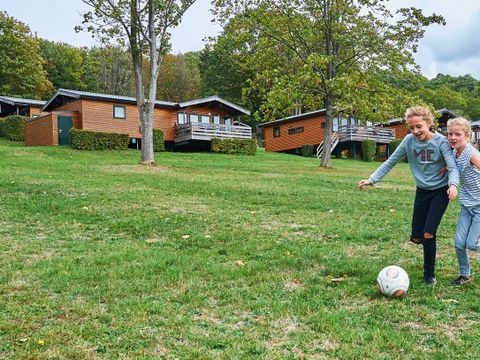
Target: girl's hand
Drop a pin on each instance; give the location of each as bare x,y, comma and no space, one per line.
363,183
452,193
443,171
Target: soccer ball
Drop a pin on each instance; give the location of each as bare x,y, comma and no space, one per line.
393,281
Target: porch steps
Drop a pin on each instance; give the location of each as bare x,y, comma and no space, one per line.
335,140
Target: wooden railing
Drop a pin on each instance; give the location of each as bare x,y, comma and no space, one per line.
200,131
359,133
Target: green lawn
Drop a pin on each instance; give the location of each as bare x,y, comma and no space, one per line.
210,256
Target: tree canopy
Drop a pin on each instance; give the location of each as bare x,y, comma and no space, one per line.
21,65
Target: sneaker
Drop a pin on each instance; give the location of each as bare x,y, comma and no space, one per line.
430,280
460,280
416,241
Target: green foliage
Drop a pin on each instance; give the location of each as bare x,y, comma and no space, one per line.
2,120
13,128
91,140
179,78
158,143
63,64
369,148
394,144
234,146
21,71
307,150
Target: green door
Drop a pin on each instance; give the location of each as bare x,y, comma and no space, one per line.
65,123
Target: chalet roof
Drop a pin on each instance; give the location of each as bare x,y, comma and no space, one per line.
14,101
217,101
448,114
64,96
293,118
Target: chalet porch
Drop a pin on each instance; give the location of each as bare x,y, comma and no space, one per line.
194,131
351,136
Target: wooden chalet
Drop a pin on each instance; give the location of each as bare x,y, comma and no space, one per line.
18,106
289,134
401,128
192,123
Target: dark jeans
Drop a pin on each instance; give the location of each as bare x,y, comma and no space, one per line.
428,209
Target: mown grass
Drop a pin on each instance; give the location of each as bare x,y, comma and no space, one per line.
210,256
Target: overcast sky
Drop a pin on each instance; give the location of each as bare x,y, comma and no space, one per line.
452,49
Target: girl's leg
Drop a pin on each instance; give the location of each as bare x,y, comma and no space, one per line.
473,239
463,228
436,209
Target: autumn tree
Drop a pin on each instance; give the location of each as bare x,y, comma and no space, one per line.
144,27
335,48
109,70
21,71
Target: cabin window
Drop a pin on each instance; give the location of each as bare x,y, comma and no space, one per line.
344,121
335,124
296,130
193,118
322,125
227,121
276,131
119,112
216,119
205,119
181,118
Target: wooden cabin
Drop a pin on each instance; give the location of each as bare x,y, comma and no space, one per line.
191,123
17,106
401,128
291,133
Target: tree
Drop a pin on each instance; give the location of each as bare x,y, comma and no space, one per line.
21,71
336,49
179,79
63,64
143,25
109,70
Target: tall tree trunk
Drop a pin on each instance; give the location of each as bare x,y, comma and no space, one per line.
326,160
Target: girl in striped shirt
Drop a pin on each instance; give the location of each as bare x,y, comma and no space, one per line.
468,226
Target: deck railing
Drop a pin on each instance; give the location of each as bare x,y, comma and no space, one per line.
200,131
359,133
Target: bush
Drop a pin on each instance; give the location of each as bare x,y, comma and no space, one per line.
307,150
368,150
394,144
91,140
2,120
13,128
234,146
158,144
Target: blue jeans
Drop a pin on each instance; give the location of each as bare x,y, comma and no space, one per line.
467,236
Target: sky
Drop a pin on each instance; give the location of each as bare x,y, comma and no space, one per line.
453,49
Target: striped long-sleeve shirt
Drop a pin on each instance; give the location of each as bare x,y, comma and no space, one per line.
469,177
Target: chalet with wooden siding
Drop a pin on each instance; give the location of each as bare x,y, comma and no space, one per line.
183,123
401,128
17,106
291,133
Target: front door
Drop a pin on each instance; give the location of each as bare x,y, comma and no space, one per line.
65,123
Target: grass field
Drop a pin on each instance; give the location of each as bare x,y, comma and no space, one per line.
209,256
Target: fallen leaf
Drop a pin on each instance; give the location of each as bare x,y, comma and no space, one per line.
185,236
239,263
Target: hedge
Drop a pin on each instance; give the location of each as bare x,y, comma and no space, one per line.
13,128
91,140
368,150
158,144
394,144
2,120
307,150
234,146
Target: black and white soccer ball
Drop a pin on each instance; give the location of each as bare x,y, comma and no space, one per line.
393,281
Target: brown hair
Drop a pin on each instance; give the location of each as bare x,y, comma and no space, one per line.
422,111
463,123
